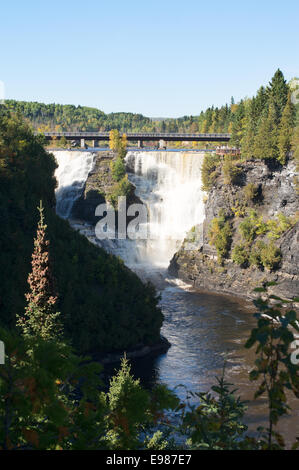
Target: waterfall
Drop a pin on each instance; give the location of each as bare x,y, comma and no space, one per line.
71,174
169,183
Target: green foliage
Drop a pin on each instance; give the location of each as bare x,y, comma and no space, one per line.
220,235
133,410
286,130
250,192
118,169
231,171
247,229
216,423
209,170
270,256
273,366
122,188
240,255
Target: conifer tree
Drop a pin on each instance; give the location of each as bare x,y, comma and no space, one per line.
247,141
265,145
278,92
286,130
40,318
238,125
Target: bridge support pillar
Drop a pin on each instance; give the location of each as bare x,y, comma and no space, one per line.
95,143
140,144
162,144
82,143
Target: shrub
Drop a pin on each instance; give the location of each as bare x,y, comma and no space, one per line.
270,256
250,192
122,188
208,170
255,254
248,229
277,227
220,236
118,169
240,255
231,171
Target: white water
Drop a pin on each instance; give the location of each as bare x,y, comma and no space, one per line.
71,174
169,183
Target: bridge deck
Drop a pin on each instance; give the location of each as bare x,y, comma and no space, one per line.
131,136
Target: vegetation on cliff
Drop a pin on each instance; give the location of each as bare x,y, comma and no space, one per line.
103,305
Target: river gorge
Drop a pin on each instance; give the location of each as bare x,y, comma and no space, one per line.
204,329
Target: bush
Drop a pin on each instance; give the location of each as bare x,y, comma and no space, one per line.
247,229
118,169
255,254
208,170
250,192
270,256
240,255
220,236
122,188
231,172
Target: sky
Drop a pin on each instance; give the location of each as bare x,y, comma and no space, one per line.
163,58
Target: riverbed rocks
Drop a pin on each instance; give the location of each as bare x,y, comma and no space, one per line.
275,194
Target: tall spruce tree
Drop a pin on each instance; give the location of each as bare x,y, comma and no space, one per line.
286,130
40,318
238,125
278,93
265,145
247,141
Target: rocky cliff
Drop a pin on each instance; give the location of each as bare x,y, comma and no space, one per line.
258,210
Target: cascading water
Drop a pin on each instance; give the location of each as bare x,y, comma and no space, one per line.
71,174
169,183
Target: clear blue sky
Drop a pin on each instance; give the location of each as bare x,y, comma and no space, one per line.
159,58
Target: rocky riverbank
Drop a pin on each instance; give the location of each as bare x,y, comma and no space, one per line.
256,210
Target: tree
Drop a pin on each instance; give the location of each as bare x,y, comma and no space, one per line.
278,93
265,145
273,367
40,318
238,125
114,139
286,130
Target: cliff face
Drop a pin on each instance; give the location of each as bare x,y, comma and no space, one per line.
275,194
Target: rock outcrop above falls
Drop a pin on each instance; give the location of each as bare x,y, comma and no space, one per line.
275,196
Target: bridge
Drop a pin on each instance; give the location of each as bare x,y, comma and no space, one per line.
138,137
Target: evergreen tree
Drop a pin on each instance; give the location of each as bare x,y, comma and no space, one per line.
286,130
247,141
40,318
265,145
278,92
238,125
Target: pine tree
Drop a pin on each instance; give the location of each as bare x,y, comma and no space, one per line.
238,125
247,141
286,130
278,92
40,318
265,145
